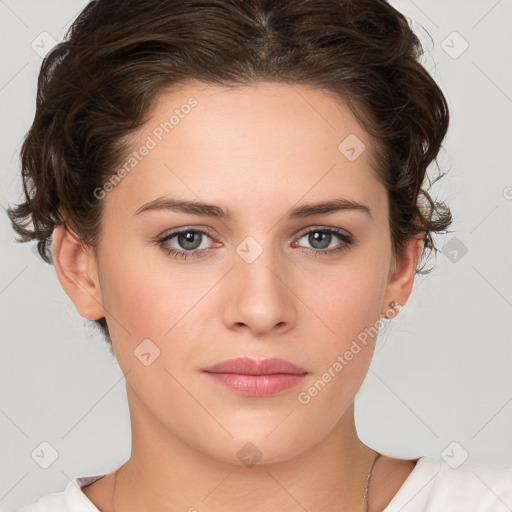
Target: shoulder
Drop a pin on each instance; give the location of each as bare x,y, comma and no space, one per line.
71,499
434,485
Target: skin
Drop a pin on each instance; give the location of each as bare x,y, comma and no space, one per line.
258,151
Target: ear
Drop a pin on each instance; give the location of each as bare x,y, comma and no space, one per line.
77,270
401,278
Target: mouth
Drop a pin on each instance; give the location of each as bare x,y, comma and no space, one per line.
251,377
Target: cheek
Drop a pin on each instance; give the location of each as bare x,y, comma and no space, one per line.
350,307
149,300
348,298
155,303
347,302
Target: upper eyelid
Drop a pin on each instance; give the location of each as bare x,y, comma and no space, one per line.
323,228
186,229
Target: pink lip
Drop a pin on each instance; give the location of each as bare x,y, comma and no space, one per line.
252,377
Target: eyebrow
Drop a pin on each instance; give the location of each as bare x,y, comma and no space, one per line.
211,210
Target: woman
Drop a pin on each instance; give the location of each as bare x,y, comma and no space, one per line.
233,191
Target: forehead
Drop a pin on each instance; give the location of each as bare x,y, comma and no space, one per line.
267,141
303,116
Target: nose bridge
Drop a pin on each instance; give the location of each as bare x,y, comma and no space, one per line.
259,297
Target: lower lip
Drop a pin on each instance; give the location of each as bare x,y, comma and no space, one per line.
257,385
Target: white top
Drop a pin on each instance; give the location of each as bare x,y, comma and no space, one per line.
432,486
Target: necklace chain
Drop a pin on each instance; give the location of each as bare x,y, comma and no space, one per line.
365,497
368,478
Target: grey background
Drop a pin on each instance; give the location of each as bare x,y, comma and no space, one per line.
441,371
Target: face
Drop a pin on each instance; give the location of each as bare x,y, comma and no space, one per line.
259,274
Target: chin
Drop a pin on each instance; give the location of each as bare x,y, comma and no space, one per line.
257,448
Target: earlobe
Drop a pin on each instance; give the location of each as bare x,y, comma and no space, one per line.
76,267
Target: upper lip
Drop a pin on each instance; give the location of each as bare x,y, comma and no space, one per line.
248,366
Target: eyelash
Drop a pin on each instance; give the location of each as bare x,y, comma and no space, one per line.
346,239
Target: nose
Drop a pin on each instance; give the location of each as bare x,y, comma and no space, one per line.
259,296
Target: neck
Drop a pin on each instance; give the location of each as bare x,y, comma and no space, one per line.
165,473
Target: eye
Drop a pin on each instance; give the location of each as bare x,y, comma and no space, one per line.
190,243
322,239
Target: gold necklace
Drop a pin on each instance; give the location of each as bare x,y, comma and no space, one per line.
365,497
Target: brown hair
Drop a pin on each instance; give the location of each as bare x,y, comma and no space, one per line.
97,87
